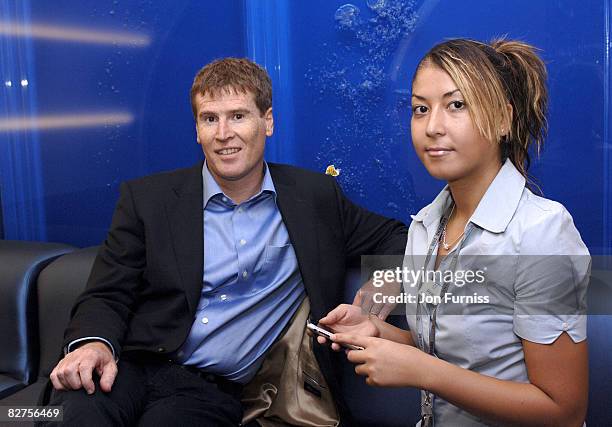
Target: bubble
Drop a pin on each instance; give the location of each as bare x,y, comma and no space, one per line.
376,4
347,15
367,85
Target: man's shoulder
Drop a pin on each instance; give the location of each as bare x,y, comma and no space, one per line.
164,179
301,175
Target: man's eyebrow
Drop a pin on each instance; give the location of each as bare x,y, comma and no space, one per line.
213,113
446,95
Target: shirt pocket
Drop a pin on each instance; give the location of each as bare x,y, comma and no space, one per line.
275,254
277,266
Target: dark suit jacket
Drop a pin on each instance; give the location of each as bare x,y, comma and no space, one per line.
146,281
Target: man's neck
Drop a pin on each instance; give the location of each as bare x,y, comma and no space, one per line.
244,188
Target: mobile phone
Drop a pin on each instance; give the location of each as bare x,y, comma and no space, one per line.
327,334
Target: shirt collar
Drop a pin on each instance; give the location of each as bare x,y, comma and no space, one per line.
499,203
496,207
434,211
211,188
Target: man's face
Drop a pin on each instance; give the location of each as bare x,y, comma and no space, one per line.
232,132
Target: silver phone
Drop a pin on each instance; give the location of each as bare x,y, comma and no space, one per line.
327,334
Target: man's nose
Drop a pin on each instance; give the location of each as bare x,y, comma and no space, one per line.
224,130
436,125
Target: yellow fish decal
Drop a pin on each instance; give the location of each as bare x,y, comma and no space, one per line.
331,170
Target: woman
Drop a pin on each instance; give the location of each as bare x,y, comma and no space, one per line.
517,352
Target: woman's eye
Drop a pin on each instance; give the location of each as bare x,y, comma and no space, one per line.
457,105
419,109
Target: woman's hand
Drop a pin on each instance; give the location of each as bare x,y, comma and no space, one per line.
386,363
350,319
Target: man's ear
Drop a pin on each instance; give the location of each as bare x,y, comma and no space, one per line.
197,134
269,122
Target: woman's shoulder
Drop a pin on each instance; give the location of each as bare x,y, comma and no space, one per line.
545,227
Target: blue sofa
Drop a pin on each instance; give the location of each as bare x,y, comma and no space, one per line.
40,281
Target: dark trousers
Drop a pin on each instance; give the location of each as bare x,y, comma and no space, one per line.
152,394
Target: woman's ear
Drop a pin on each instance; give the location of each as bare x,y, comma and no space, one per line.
505,129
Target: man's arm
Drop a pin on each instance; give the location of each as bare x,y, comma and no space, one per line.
367,233
104,307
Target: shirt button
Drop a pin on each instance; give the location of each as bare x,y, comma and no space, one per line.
161,349
239,210
223,297
205,320
565,326
245,274
242,242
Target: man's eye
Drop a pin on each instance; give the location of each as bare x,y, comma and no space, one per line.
238,116
209,119
457,105
419,109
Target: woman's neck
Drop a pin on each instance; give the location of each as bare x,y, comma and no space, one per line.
468,191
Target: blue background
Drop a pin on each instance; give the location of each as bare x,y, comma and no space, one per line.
341,77
341,74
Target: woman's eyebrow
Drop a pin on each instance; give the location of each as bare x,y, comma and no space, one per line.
446,95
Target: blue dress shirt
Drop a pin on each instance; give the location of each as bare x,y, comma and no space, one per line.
251,285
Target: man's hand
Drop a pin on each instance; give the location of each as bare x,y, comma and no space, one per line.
75,370
365,298
349,319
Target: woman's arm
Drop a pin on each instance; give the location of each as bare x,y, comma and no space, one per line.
556,395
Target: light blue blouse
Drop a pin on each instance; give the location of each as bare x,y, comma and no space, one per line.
535,268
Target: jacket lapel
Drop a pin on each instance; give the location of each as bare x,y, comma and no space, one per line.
298,218
185,217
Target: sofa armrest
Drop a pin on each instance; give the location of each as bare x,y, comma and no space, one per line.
20,264
59,285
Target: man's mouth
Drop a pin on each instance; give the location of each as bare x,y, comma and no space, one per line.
227,151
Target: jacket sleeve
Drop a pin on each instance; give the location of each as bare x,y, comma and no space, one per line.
367,233
104,308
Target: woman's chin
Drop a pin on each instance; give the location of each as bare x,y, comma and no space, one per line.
442,174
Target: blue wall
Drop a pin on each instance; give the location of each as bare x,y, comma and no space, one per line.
341,77
130,65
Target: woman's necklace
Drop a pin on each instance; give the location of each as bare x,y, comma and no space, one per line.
446,245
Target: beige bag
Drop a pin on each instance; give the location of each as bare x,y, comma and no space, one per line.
289,388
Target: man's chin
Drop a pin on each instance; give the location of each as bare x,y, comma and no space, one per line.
233,175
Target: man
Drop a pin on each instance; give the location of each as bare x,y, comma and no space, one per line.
204,267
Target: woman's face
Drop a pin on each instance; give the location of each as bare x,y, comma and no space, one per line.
443,133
